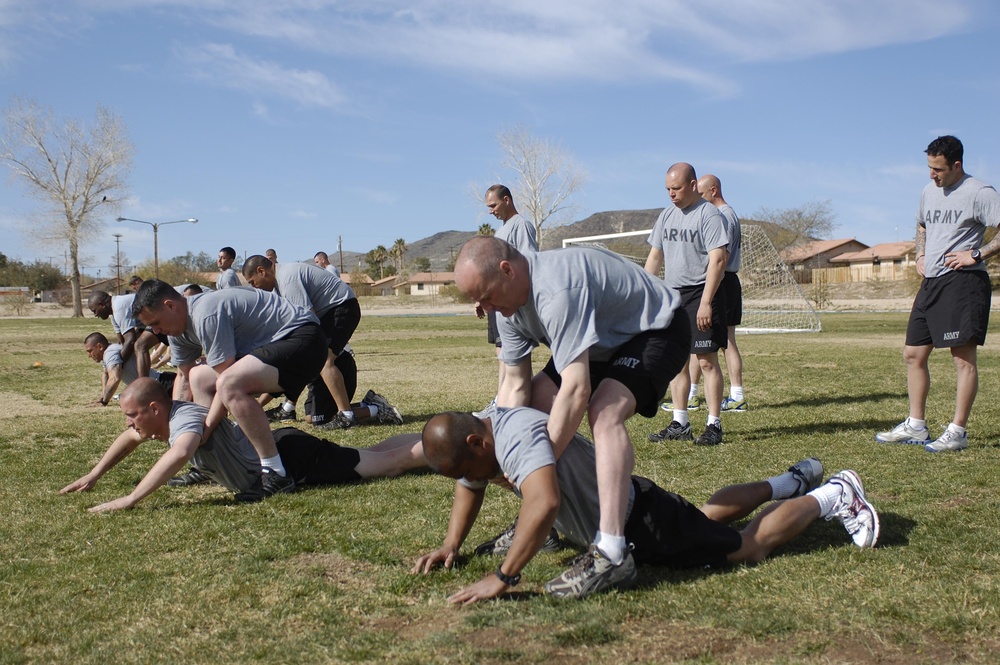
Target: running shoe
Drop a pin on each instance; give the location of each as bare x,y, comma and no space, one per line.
854,511
673,432
592,573
904,433
948,442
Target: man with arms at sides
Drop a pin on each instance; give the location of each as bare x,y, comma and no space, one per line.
952,307
710,189
114,370
520,233
617,339
227,278
254,342
663,528
322,259
688,242
134,339
226,456
339,313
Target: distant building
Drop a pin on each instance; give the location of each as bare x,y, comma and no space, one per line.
424,283
818,253
889,260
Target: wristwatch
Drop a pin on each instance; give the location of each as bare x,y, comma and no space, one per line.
977,256
509,580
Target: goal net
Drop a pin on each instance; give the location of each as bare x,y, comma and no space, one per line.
772,301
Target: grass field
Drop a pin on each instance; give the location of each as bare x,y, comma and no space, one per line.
323,575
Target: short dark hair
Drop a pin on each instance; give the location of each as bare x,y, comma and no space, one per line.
98,297
949,146
229,252
251,264
135,278
193,288
151,293
501,191
326,257
95,337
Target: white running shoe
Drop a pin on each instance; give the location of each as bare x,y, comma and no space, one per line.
950,441
854,511
903,433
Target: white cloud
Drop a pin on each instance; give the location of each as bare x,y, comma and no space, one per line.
222,65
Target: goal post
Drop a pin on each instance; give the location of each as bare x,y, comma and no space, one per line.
772,300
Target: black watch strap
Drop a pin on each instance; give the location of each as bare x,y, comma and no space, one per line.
509,580
977,256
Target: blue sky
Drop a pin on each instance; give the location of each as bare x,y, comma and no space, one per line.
287,124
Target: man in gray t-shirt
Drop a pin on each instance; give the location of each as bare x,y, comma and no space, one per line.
617,339
689,243
115,370
228,278
253,341
227,456
663,528
519,233
134,340
952,307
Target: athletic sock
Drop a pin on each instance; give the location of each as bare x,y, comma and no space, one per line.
348,415
288,407
274,464
681,416
715,420
612,547
736,393
956,429
827,495
916,424
693,392
783,485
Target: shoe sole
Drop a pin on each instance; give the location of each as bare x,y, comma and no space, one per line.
858,488
903,442
929,448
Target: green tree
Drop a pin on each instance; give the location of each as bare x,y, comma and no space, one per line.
486,230
71,171
398,254
421,264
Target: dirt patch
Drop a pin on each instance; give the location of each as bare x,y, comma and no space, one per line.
16,404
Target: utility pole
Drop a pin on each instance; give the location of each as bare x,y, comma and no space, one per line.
340,248
118,262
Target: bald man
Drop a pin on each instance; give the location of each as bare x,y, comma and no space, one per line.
227,456
689,243
710,188
617,338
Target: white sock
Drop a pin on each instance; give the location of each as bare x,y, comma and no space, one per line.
288,407
917,424
827,495
736,393
715,420
274,464
612,547
349,414
783,486
956,429
681,416
693,392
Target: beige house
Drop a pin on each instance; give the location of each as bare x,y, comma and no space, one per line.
889,261
819,253
424,283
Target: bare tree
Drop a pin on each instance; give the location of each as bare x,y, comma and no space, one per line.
547,177
71,171
794,226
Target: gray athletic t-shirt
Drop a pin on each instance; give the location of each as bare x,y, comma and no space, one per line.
518,233
130,372
227,457
584,298
227,279
311,287
955,219
735,234
231,323
122,318
686,237
522,447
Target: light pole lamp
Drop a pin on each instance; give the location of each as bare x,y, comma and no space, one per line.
156,242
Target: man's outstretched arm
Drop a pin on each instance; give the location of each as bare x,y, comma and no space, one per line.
464,511
119,449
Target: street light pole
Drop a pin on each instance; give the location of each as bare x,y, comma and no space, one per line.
156,240
118,262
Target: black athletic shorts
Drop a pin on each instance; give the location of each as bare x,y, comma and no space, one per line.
166,379
314,461
667,530
717,336
299,357
339,324
492,332
733,289
646,364
951,310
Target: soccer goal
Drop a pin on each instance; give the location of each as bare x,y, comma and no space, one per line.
772,301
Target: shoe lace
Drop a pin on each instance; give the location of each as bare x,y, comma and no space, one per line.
583,563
